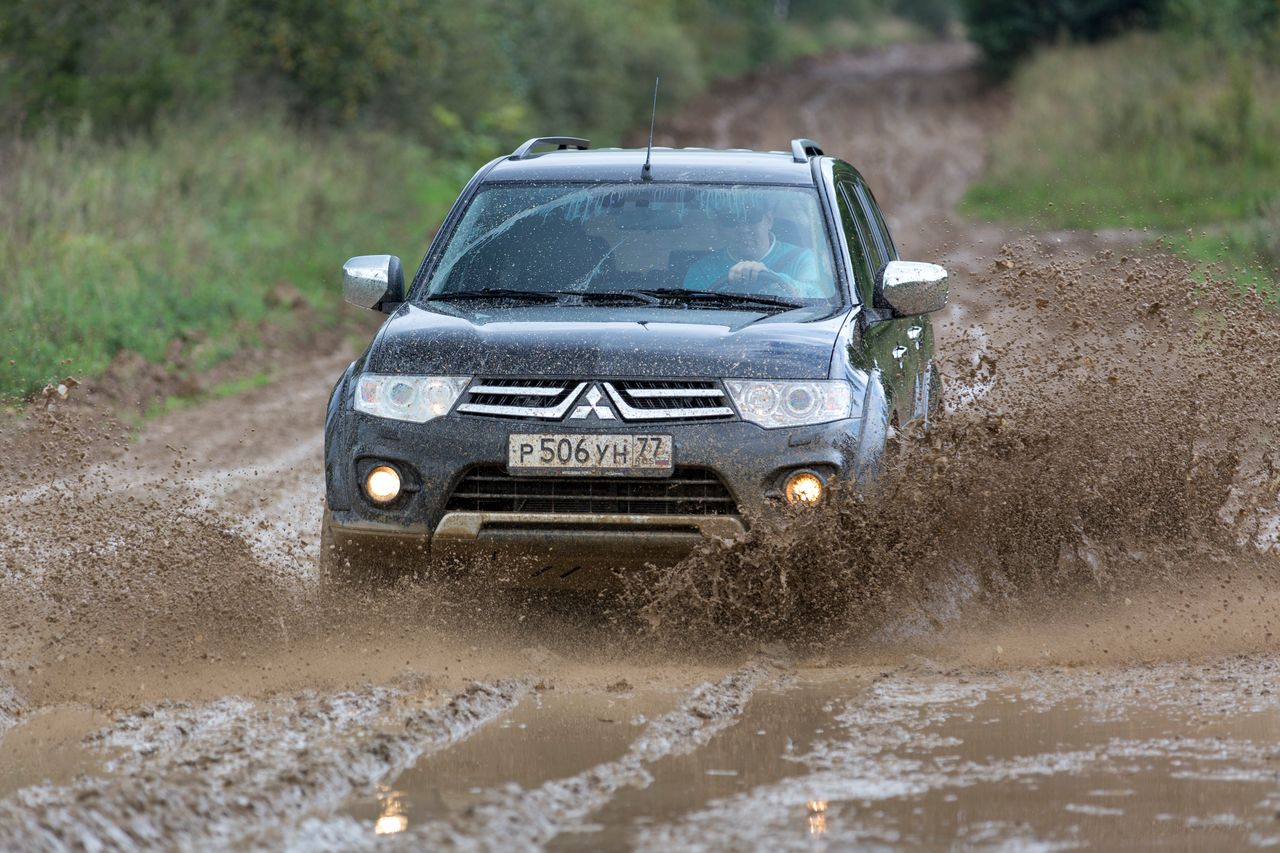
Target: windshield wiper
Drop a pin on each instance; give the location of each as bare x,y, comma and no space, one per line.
641,296
681,295
653,296
497,293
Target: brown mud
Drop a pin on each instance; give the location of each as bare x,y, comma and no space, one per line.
1124,443
1072,578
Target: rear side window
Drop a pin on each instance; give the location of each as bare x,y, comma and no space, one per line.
877,221
863,250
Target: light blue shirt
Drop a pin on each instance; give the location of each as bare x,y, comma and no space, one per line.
796,265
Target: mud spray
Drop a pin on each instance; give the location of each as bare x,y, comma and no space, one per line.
1112,431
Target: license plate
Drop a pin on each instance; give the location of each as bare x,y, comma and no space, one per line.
590,453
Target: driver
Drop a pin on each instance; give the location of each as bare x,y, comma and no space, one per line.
751,259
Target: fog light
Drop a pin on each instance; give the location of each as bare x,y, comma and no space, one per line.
390,824
804,487
382,484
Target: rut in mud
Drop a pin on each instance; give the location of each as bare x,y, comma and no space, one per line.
1102,490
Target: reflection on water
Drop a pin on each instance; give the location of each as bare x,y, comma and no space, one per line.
817,817
551,735
392,818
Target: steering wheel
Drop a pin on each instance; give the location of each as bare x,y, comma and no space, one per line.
785,287
718,286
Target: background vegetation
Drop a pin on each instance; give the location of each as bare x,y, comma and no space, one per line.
170,164
1173,124
167,166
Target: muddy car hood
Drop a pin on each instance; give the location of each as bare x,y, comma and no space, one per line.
589,341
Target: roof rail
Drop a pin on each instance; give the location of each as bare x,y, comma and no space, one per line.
803,149
561,143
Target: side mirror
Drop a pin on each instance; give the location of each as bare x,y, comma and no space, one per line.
911,287
373,281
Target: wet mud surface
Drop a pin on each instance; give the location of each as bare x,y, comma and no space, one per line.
1051,625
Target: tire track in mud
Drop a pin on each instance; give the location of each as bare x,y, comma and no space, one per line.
208,497
226,773
11,706
514,819
903,744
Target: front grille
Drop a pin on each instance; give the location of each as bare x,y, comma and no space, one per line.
520,398
642,400
667,400
689,491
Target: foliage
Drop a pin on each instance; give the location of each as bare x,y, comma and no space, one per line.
934,16
1147,130
1009,30
183,236
590,67
1227,23
121,65
457,76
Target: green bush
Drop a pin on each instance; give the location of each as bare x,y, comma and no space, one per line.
1227,23
934,16
588,69
1009,30
457,76
120,65
1146,130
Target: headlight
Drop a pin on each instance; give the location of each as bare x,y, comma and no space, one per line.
408,398
791,403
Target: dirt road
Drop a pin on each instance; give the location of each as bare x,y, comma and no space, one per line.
169,677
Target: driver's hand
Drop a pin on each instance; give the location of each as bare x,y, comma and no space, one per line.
752,273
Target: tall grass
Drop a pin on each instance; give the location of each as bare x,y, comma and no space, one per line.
181,235
1160,130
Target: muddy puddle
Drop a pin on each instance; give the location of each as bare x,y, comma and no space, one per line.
553,735
1170,755
1043,760
50,747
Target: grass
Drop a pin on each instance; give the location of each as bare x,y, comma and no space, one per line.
1148,130
181,236
228,388
1248,253
796,40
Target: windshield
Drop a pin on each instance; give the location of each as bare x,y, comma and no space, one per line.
757,241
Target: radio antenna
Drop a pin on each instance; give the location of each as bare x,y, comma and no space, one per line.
645,173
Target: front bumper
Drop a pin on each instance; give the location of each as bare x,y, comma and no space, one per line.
558,547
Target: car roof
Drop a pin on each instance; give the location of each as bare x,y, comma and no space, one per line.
668,165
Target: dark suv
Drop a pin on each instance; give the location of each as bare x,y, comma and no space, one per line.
608,356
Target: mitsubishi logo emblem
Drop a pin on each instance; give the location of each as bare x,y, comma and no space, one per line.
603,412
